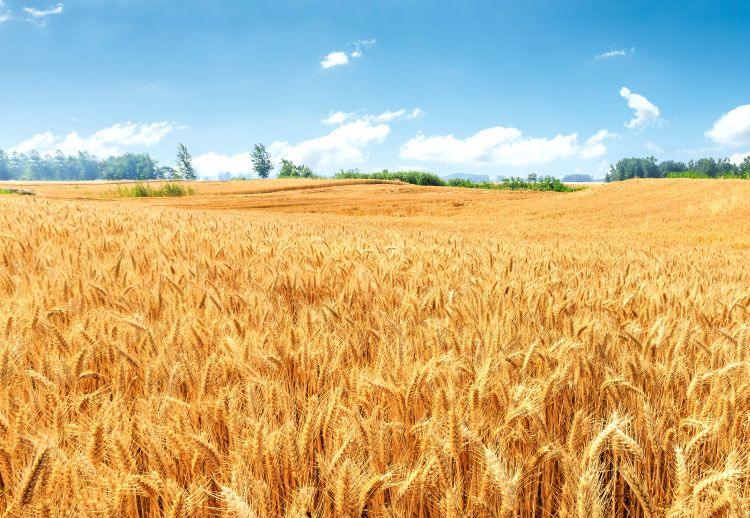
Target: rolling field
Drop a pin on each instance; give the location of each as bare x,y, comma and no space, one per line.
358,349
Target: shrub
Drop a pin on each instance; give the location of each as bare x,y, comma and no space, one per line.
141,190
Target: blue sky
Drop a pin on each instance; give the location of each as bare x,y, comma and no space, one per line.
485,87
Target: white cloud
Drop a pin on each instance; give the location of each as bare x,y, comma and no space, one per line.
653,147
337,117
342,146
43,13
500,146
594,146
211,164
4,15
335,59
103,143
42,141
645,112
737,158
733,128
387,116
614,53
415,114
342,58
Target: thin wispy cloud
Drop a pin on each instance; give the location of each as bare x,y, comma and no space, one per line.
360,46
4,13
338,117
43,13
338,58
40,17
615,53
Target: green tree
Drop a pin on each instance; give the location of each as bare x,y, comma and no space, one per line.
262,164
185,163
290,170
745,165
5,170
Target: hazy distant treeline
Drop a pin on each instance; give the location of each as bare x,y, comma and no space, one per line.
131,166
650,168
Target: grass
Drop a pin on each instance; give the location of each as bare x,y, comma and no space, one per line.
141,190
690,174
546,183
13,190
542,356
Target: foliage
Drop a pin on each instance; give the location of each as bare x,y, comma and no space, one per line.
691,174
129,167
290,170
412,177
628,168
184,167
545,183
262,164
81,167
141,190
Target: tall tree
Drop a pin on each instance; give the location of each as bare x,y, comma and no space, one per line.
185,163
262,161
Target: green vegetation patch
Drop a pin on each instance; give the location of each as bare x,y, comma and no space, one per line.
13,190
691,174
141,190
545,183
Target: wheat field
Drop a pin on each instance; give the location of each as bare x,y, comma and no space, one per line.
401,353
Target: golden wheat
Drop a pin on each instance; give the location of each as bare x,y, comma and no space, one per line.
170,362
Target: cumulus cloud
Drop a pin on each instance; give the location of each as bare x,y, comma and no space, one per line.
106,142
614,53
335,59
338,58
594,146
212,164
645,112
500,146
733,128
342,146
738,158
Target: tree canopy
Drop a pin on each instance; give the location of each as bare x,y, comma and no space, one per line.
290,170
185,167
649,167
262,163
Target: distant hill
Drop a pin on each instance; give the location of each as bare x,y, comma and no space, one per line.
575,178
471,177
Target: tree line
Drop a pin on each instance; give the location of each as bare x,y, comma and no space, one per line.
649,167
32,166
